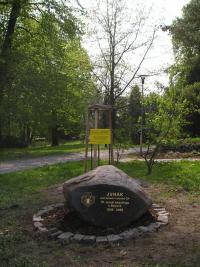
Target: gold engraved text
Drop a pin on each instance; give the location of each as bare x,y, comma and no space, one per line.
115,201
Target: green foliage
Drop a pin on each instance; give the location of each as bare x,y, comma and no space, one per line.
50,73
122,127
185,72
185,30
134,111
192,95
164,117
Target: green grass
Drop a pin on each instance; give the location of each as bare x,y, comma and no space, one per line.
18,187
42,150
23,193
184,174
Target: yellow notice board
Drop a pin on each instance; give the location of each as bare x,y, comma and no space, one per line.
100,136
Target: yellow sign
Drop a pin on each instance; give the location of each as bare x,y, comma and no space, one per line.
100,136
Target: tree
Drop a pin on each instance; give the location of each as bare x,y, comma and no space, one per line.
50,74
134,111
164,118
185,74
123,126
119,37
192,94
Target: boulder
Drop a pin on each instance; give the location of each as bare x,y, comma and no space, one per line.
106,197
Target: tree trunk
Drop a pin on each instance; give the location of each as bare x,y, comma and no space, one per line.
54,136
6,47
28,135
149,167
6,50
54,129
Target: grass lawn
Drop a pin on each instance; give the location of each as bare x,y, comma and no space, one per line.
184,174
40,150
23,193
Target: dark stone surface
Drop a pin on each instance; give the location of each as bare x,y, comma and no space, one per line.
89,239
106,197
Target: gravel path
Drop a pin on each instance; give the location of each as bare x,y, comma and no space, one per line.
23,164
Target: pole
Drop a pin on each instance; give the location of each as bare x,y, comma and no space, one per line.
96,114
142,115
86,141
111,143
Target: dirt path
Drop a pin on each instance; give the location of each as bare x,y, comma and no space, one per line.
24,164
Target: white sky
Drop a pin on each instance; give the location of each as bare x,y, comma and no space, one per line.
161,55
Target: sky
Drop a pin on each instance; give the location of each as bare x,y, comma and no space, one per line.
161,55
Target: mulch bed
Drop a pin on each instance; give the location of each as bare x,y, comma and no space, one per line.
70,222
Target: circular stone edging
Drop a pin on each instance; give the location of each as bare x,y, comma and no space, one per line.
67,237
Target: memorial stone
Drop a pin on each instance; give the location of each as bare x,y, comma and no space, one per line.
106,197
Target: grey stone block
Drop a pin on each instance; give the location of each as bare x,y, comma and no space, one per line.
163,213
78,237
37,218
143,229
155,205
37,225
41,212
58,205
88,239
101,239
65,237
157,224
43,229
159,209
163,219
129,234
53,230
114,238
54,235
152,227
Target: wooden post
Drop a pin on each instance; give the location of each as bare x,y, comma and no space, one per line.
86,141
111,143
96,115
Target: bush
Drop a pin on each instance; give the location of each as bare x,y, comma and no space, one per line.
182,148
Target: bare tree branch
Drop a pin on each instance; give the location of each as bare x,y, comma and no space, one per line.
80,5
138,67
101,81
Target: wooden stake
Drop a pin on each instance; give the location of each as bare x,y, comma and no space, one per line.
96,115
86,141
111,143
